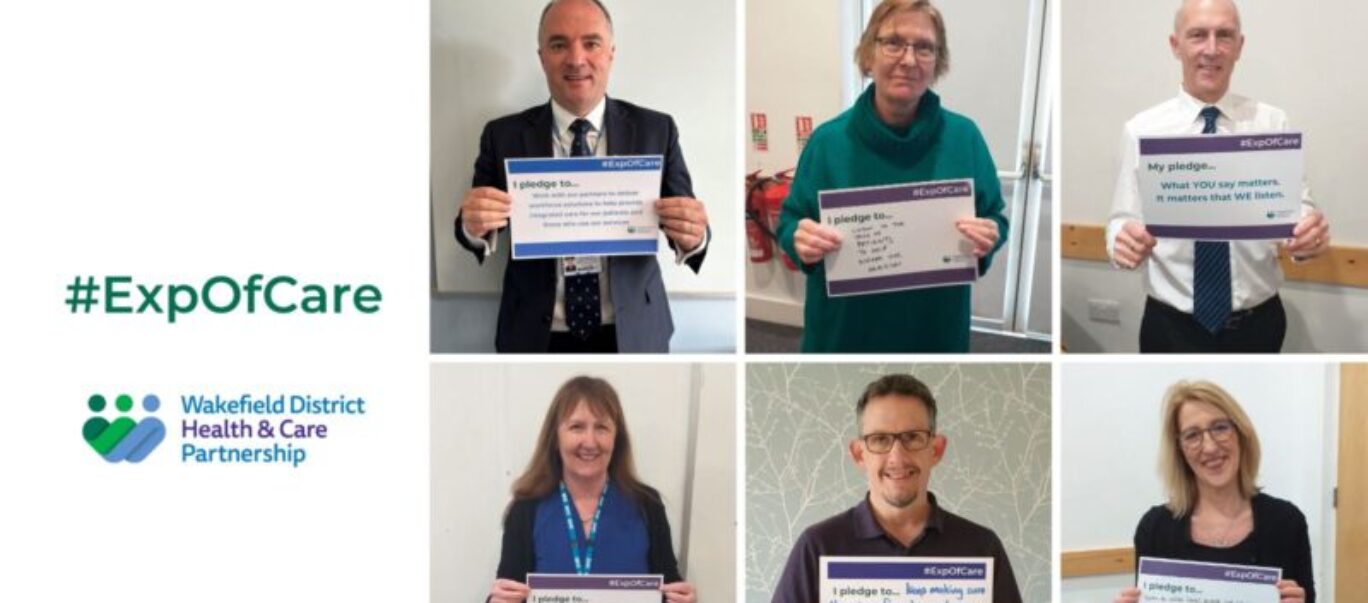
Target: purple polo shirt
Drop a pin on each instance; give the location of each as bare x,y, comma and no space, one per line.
855,533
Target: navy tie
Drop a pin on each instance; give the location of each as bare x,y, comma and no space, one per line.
582,304
1211,270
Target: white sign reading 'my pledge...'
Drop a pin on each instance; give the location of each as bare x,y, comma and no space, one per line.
1221,187
584,206
898,237
906,580
1172,581
594,588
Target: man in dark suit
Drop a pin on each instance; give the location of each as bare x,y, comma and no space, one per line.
582,304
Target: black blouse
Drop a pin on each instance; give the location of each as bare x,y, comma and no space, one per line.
1279,539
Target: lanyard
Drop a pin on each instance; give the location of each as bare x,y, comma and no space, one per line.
581,566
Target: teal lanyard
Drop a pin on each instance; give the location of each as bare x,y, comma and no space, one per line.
581,565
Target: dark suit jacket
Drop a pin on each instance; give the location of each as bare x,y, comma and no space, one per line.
529,288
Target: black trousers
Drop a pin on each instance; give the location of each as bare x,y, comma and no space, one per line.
1165,329
601,341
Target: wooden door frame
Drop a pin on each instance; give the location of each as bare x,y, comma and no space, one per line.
1351,528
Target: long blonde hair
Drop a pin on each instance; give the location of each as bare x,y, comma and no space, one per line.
1179,480
544,471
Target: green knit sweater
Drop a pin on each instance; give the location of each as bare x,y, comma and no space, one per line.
857,149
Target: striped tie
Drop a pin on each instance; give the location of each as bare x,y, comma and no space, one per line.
1211,270
583,309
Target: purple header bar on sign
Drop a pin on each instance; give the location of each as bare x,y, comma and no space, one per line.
877,570
1208,571
895,194
592,582
1222,233
1220,144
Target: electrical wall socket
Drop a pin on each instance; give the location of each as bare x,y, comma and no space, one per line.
1104,310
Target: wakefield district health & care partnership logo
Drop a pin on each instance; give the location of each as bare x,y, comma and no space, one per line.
123,439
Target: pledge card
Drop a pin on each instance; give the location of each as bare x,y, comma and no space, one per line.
1173,581
594,588
572,206
1221,187
899,237
906,580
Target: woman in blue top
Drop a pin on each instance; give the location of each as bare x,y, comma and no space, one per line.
579,507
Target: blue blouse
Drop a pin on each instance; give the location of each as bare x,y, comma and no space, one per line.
620,547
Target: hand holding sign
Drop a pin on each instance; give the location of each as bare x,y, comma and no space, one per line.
813,241
1310,237
982,232
1128,595
508,591
1133,244
684,220
484,209
679,592
1289,592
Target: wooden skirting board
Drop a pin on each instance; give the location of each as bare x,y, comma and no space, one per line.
1341,265
1097,562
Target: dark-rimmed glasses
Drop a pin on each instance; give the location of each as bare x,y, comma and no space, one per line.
912,441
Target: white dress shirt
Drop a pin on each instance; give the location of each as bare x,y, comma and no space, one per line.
1254,271
561,140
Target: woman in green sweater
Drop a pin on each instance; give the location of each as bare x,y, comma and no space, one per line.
896,133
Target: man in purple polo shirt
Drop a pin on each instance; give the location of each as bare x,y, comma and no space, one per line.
897,448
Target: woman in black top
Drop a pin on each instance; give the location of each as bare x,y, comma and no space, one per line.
1209,458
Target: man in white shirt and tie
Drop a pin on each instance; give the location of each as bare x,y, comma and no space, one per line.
1206,296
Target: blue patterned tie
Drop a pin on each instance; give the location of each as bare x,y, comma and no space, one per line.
582,304
1211,270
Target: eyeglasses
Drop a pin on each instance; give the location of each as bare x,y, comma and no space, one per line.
912,441
894,48
1221,432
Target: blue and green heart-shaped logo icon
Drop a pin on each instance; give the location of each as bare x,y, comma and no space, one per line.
123,439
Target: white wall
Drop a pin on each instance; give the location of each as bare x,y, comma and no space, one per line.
675,57
485,419
1110,439
713,527
795,65
1116,62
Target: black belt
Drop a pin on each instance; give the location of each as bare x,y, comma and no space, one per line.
1232,322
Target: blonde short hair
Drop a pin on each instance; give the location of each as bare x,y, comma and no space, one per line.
1178,478
864,51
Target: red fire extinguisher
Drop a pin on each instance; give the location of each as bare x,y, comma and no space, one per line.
756,229
764,200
